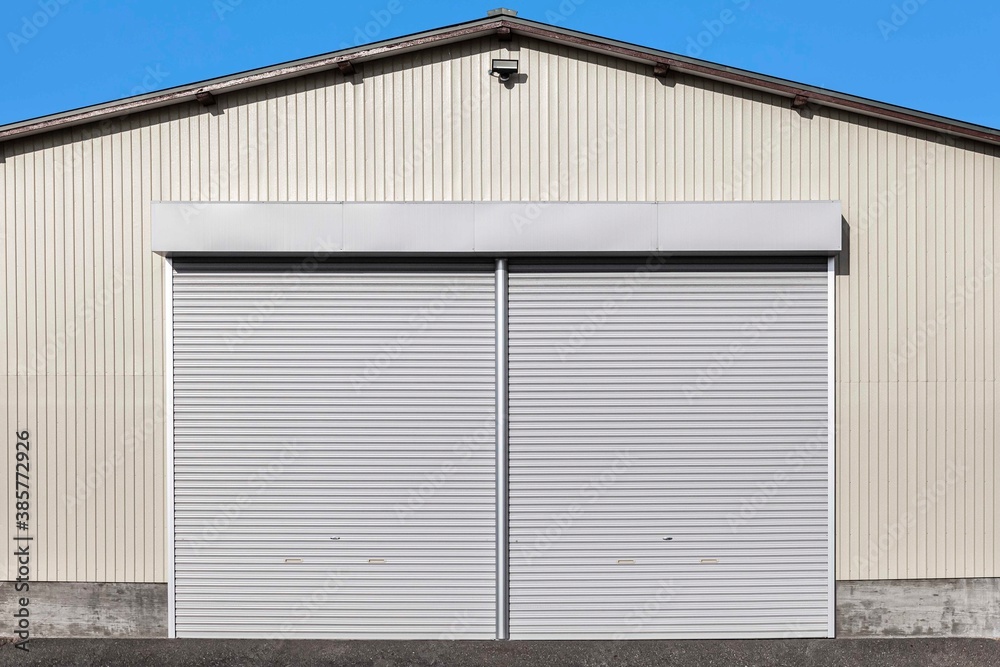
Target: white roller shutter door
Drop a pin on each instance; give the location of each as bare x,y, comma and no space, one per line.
334,456
669,452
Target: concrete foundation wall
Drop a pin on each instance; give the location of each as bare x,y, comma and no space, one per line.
910,608
88,610
919,608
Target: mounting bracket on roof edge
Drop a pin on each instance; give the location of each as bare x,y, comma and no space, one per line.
205,98
804,106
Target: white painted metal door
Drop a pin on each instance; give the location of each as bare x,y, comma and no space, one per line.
669,452
333,451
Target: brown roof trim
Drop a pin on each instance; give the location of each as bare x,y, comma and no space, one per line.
494,25
761,82
190,93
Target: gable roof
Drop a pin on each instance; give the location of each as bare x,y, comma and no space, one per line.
504,23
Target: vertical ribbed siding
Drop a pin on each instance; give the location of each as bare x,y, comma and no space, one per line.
334,453
669,453
82,354
917,359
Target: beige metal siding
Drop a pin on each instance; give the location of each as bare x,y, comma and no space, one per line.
83,335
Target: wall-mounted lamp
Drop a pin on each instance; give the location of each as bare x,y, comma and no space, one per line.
503,69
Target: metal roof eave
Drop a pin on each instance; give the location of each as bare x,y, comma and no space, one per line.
478,27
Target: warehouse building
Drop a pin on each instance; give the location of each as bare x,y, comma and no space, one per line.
502,330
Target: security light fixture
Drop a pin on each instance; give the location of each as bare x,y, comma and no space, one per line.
504,69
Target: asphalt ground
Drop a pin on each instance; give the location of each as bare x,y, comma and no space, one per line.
302,653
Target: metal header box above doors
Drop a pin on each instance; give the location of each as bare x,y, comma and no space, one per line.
497,228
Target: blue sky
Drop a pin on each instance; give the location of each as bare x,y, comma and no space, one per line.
932,55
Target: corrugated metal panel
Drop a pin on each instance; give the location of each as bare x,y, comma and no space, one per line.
334,453
917,361
668,454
